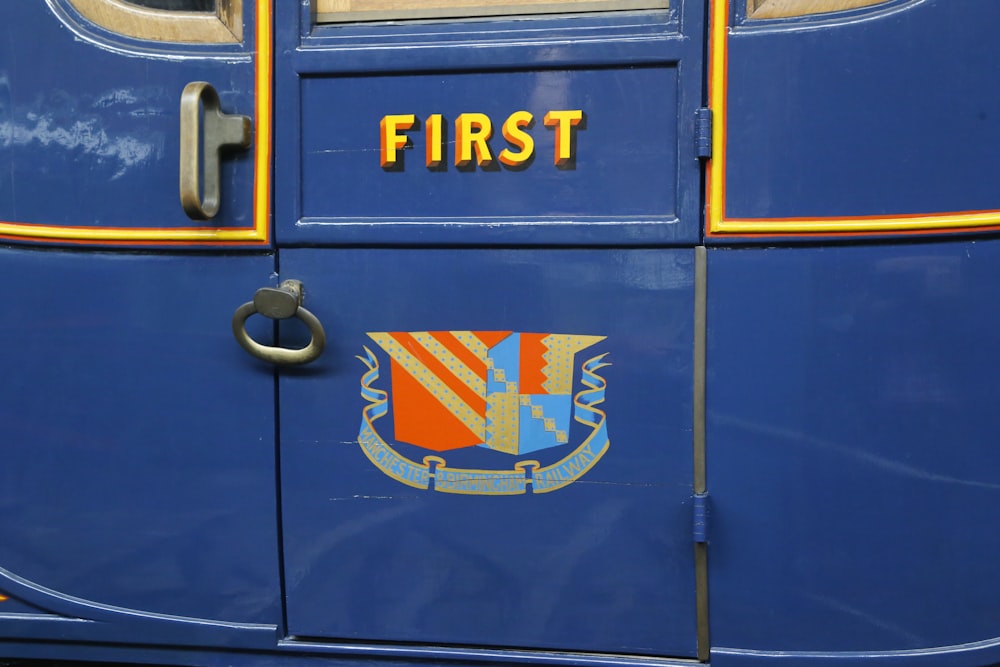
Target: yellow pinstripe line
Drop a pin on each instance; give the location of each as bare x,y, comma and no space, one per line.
262,177
262,180
718,223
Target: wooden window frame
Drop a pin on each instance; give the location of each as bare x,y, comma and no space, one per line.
344,11
224,26
776,9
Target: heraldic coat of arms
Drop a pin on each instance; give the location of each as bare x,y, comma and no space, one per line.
504,391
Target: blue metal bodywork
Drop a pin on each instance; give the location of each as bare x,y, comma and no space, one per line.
103,416
883,111
166,498
853,394
500,571
89,121
618,175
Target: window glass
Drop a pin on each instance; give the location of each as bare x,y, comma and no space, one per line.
773,9
177,5
383,10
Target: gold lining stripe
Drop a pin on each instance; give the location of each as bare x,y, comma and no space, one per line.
717,222
262,173
258,233
138,234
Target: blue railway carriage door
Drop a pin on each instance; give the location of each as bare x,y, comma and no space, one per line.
852,378
493,209
137,445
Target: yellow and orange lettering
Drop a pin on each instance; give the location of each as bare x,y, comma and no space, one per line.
392,140
513,132
564,122
472,131
434,140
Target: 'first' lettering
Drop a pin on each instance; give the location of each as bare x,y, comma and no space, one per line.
473,134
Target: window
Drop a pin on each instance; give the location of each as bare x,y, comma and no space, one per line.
339,11
203,21
177,5
773,9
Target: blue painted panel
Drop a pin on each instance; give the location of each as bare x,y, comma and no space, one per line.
611,38
83,150
618,173
302,654
138,454
636,180
853,464
886,112
604,564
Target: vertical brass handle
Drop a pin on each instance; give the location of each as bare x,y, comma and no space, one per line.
205,131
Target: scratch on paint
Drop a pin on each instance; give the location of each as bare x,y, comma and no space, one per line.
6,138
86,137
361,497
885,463
891,628
610,483
346,150
408,147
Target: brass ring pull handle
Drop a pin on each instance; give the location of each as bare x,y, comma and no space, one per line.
203,121
279,303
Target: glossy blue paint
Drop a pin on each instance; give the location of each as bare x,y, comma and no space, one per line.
636,179
137,494
83,150
292,654
138,462
852,459
475,570
369,559
883,111
700,506
617,174
153,510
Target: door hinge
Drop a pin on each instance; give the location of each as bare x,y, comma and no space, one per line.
703,132
700,507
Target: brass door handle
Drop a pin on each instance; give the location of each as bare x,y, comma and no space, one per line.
279,303
205,131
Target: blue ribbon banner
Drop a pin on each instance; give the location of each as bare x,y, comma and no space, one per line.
433,471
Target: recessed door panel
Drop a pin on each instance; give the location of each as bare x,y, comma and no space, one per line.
137,488
495,450
851,429
559,147
548,129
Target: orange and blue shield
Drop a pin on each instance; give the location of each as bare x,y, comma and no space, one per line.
505,391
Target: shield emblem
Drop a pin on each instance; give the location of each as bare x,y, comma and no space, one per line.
506,391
